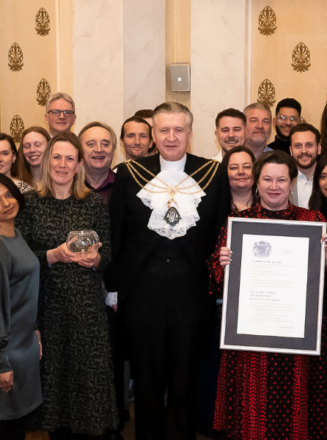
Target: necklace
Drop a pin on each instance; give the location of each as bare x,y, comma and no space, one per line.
172,216
247,205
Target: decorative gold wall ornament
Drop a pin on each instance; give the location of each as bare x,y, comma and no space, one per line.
16,128
301,58
42,22
267,21
266,93
43,92
15,58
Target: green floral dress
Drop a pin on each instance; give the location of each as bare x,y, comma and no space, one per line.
76,368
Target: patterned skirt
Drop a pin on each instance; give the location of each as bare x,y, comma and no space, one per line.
272,395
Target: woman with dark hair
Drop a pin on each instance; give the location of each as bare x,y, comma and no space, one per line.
76,367
8,165
20,385
32,146
270,395
318,199
323,130
239,162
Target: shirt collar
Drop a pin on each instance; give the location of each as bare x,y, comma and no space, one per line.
302,176
177,165
110,179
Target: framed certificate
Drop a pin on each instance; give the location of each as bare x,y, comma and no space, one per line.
273,291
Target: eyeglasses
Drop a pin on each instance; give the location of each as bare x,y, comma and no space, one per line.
57,113
283,118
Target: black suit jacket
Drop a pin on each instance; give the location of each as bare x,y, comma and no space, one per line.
133,242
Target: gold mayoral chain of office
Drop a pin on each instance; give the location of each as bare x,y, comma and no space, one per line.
172,216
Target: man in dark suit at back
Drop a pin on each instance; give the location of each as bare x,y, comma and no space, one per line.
166,212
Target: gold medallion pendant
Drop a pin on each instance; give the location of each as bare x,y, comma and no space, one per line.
172,216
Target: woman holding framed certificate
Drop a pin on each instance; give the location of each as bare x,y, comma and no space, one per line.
267,395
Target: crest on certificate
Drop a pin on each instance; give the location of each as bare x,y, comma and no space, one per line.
262,249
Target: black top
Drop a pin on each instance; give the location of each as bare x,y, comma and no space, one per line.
280,144
133,242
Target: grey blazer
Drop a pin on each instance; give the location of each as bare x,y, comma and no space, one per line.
293,193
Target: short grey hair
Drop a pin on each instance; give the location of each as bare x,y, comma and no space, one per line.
257,106
101,125
57,96
173,107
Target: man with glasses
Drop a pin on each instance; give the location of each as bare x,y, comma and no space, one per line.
60,113
288,114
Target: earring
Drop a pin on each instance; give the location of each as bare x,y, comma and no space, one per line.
257,193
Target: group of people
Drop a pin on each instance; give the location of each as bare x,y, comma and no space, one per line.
152,291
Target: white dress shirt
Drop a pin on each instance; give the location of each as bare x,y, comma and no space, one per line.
304,189
219,156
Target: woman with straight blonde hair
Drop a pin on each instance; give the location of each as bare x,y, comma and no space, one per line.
76,369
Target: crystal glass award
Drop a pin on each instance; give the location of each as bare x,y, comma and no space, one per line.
85,241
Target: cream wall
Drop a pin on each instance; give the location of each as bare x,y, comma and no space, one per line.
219,63
98,62
297,21
144,54
118,60
178,43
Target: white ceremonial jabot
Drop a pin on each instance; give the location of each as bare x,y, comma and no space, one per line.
186,203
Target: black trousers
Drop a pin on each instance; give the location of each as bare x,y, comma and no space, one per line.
12,429
207,383
167,318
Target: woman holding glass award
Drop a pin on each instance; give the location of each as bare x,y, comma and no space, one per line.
76,369
264,395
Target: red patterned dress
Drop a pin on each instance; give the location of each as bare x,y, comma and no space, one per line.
270,395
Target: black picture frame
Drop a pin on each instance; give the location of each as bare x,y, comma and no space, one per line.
311,343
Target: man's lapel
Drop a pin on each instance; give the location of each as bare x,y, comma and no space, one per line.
156,164
192,163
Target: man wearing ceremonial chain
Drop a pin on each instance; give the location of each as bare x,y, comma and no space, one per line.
166,211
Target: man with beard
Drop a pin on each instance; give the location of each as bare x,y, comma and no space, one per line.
288,114
305,148
258,128
230,130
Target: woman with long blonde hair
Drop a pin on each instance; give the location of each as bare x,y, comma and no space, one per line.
76,369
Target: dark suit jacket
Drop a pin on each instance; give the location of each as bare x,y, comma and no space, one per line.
133,242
